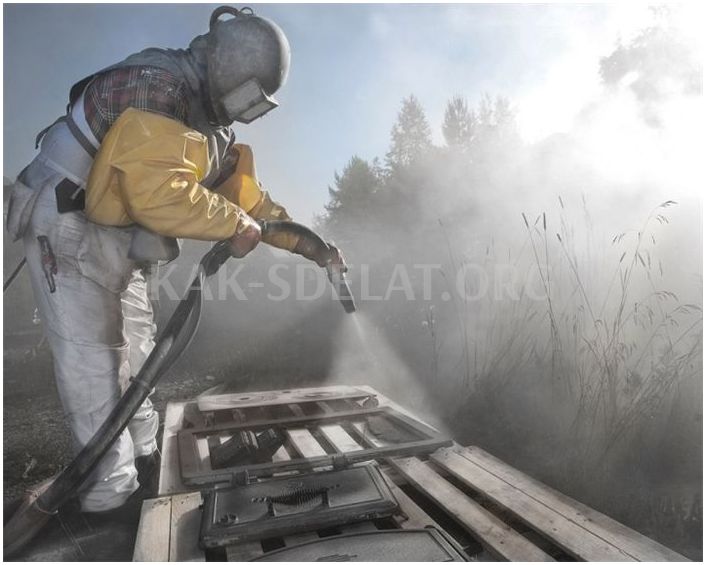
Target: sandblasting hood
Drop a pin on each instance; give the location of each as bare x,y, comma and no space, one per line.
247,62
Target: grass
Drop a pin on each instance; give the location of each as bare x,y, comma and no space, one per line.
589,380
615,347
609,354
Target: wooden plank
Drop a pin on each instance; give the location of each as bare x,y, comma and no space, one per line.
412,516
636,545
185,526
340,438
274,397
305,443
562,530
169,475
244,551
189,458
152,543
203,453
490,531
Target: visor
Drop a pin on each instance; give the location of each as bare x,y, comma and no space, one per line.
247,102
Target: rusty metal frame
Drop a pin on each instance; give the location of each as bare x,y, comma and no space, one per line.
194,473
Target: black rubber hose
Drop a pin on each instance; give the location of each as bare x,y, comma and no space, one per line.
169,346
14,274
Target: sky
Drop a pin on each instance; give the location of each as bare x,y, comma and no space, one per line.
351,67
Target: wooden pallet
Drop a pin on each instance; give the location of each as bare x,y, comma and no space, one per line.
492,510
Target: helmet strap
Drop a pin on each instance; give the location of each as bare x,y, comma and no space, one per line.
218,12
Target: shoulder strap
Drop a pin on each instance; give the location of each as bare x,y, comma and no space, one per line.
80,136
76,91
75,131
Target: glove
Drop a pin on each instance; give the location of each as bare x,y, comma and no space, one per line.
328,257
247,236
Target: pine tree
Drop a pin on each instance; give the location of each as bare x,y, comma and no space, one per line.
352,201
411,135
505,120
459,123
495,125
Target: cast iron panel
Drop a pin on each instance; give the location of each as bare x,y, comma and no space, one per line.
294,504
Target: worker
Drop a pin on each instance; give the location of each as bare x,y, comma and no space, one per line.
144,156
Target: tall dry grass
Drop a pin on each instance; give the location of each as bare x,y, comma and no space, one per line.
612,342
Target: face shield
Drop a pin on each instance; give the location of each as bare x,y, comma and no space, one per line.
247,102
247,62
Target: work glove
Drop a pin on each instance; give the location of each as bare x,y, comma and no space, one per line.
329,258
247,236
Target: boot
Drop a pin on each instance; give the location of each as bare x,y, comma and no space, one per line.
148,473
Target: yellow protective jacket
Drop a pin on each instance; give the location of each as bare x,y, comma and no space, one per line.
147,172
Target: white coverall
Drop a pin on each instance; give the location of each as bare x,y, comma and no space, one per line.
99,321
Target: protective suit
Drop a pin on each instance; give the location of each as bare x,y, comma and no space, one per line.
159,156
98,321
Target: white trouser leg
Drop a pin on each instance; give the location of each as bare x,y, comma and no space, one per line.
83,324
140,330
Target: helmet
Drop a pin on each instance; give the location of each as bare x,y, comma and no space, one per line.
247,62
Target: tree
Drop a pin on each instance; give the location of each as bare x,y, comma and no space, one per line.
495,126
459,123
411,135
352,202
505,121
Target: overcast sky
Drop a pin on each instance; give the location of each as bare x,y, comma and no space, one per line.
351,66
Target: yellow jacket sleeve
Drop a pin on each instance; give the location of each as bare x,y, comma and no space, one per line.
243,189
147,171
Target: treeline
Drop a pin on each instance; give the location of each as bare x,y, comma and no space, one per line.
418,181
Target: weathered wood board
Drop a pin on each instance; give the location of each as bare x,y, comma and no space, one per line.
499,538
579,530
